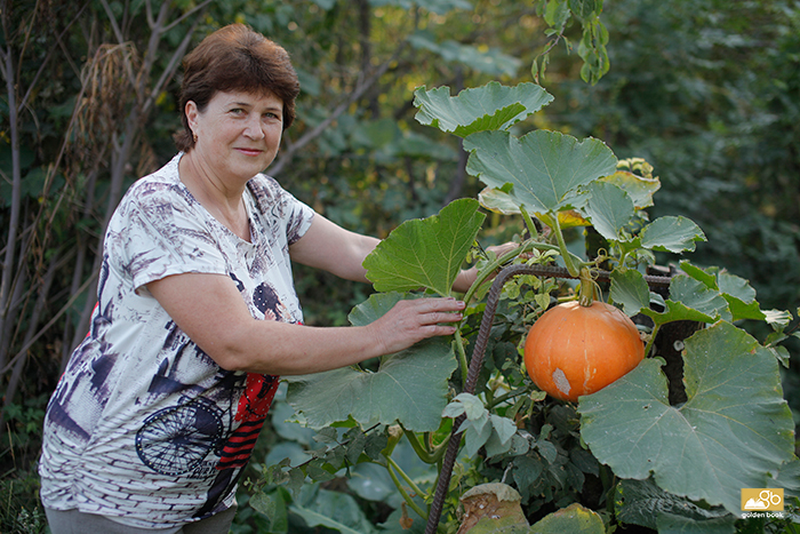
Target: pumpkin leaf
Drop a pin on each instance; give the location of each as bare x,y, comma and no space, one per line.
671,234
498,201
691,300
642,502
610,209
629,288
409,386
639,188
736,291
543,168
491,107
714,444
426,252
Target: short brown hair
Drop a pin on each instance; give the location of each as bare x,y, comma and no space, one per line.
236,58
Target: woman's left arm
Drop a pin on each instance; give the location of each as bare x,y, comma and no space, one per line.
329,247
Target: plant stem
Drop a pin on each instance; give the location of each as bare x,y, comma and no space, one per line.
392,467
652,340
586,292
462,355
504,397
534,233
426,455
562,246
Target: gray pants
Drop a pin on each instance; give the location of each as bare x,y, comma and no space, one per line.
75,522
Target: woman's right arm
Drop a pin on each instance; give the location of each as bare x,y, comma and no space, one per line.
210,310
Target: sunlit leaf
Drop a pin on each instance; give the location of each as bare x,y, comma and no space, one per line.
544,168
490,107
487,60
426,252
732,432
409,386
639,188
500,202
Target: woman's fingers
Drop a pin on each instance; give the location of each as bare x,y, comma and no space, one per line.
410,321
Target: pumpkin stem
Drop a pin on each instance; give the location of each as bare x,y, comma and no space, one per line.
562,245
586,292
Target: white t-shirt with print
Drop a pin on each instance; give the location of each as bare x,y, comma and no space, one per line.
144,427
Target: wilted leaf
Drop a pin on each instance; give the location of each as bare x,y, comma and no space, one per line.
409,386
491,107
639,188
574,519
544,168
732,432
426,252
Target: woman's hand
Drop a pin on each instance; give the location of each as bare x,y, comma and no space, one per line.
466,278
411,321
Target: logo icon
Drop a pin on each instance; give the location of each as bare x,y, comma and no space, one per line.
762,499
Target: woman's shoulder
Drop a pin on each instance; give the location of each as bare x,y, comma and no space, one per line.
163,182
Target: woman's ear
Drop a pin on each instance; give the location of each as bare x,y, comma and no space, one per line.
191,112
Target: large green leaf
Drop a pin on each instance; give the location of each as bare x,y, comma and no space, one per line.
426,252
491,107
671,234
629,288
544,168
691,300
409,386
734,430
609,208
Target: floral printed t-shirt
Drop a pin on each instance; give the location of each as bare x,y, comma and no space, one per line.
144,427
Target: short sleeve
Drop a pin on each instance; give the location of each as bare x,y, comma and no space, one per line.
159,231
280,208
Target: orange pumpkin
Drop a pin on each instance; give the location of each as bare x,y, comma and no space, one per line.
574,350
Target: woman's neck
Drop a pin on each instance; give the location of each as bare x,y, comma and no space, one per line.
224,202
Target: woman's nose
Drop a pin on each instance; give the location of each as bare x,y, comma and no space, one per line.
253,128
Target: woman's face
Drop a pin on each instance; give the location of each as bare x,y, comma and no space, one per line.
238,134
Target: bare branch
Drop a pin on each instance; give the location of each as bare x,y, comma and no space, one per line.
189,13
113,21
53,320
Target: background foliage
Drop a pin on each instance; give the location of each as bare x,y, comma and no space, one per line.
707,91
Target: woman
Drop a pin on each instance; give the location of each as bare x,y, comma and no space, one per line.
159,407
